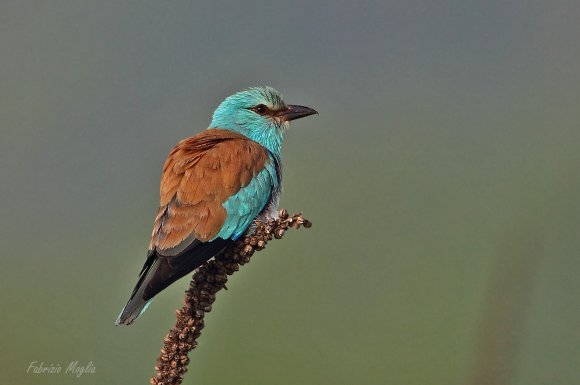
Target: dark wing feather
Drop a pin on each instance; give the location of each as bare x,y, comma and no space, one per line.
173,268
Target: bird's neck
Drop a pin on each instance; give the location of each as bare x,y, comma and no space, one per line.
270,138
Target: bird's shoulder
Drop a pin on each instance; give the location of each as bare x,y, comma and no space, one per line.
212,139
224,159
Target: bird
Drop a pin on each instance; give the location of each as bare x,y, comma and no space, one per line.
214,185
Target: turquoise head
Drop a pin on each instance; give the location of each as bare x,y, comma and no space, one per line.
260,114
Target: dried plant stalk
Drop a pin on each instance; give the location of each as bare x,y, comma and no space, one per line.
207,280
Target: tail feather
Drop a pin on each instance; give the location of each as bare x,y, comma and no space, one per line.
137,304
161,271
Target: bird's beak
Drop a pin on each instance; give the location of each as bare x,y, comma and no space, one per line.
295,112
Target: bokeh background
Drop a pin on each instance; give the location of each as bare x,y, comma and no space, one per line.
442,178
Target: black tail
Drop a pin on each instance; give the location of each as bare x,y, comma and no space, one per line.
161,271
137,304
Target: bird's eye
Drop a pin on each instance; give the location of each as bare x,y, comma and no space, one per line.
260,109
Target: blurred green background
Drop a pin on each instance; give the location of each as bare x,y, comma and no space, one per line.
442,178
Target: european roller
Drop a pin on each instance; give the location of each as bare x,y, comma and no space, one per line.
213,186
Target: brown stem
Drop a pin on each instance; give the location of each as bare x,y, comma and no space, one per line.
207,280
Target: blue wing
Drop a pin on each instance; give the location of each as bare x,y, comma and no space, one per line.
243,207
